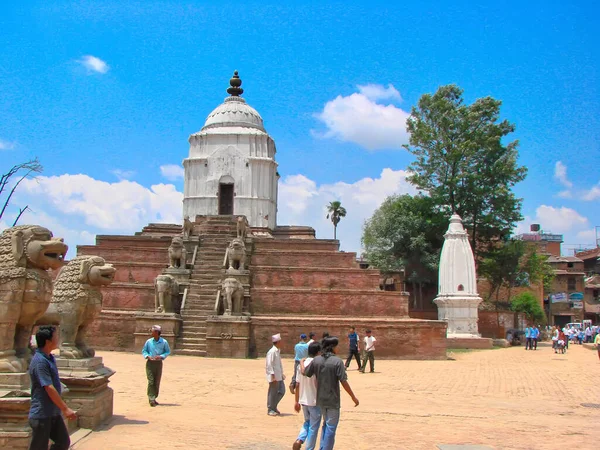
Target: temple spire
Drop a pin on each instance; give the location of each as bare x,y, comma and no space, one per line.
235,82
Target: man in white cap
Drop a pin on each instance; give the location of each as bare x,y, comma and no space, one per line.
275,377
155,350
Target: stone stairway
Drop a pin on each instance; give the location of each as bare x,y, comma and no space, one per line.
216,233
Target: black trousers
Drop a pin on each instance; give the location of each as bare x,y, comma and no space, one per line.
351,353
45,429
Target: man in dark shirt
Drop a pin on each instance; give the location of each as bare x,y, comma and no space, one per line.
46,404
330,372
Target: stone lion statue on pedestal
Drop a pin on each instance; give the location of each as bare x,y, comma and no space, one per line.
177,253
236,255
27,252
188,227
232,293
166,290
76,301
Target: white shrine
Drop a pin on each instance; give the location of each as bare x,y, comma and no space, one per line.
457,298
231,168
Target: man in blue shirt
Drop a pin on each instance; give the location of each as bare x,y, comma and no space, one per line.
535,334
300,352
527,338
353,347
46,404
155,350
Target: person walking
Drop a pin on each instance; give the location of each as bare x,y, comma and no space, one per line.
46,404
300,352
155,351
353,347
527,338
306,399
597,343
535,335
330,372
368,352
555,338
275,376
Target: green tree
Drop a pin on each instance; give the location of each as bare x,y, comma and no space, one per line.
406,233
335,211
530,306
463,164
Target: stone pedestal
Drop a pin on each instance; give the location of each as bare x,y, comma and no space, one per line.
181,275
461,314
15,432
169,322
88,392
227,336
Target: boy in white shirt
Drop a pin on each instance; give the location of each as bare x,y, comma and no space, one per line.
368,352
306,398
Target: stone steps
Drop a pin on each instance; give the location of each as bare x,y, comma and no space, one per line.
190,352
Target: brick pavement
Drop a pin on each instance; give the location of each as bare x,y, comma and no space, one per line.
503,398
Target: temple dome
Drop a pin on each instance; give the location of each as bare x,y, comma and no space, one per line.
234,112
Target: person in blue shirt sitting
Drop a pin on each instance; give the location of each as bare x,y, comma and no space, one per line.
155,350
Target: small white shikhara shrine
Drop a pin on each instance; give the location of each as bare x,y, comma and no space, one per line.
231,168
457,298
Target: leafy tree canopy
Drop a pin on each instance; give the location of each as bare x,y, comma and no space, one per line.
462,163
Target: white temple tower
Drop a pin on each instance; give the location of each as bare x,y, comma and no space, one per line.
457,298
231,166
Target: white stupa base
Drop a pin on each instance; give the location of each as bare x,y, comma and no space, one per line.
461,313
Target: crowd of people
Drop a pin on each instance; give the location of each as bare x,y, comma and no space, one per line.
318,374
561,337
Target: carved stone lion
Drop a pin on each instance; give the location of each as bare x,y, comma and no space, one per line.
232,292
236,254
188,227
166,290
242,227
76,301
177,253
26,254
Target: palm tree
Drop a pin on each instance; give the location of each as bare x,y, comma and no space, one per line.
336,211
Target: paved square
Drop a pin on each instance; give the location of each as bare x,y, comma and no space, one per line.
503,399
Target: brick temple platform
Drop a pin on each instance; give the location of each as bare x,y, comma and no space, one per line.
296,284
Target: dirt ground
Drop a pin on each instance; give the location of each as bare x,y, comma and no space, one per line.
502,398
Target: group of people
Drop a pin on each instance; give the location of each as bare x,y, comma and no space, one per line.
318,374
532,336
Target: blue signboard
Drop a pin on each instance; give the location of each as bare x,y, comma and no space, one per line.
576,296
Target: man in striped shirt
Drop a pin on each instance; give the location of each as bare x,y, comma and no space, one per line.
155,350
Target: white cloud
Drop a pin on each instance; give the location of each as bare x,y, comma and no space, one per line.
123,174
6,145
559,220
93,64
358,118
592,194
560,173
172,172
303,202
378,92
565,194
124,206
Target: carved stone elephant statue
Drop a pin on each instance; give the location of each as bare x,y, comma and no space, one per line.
177,253
166,290
232,292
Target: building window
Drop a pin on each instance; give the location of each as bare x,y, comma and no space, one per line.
570,265
571,284
595,293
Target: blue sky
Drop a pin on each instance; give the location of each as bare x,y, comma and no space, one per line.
107,93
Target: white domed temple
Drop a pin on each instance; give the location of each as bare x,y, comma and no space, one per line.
231,168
